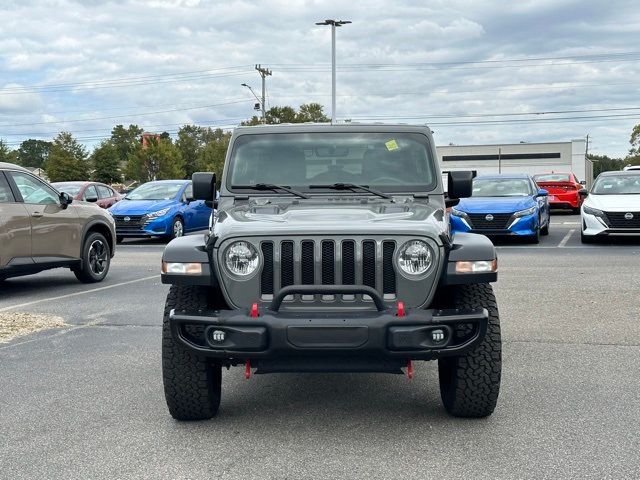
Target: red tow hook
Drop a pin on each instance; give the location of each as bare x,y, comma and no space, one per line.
409,369
401,311
247,369
254,311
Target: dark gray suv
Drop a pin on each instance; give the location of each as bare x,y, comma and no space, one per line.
330,251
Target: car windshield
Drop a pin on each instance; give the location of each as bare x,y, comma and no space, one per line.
617,185
384,161
501,187
552,177
155,191
70,188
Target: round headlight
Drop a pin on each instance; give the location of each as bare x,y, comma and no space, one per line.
241,259
414,257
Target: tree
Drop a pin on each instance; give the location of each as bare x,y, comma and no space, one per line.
192,140
211,157
5,153
603,163
159,160
125,140
308,112
106,163
67,159
33,153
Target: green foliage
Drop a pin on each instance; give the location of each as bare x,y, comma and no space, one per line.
67,160
125,140
212,156
198,144
635,142
159,160
106,163
33,153
5,153
603,163
308,112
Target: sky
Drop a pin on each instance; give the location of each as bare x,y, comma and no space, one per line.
477,72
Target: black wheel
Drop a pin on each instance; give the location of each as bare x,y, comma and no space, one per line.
177,228
470,384
119,239
96,259
545,230
535,238
192,384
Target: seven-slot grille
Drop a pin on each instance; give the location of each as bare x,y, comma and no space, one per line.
497,221
618,220
327,262
134,224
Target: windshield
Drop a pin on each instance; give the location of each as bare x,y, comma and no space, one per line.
501,187
155,191
617,185
70,188
552,177
385,161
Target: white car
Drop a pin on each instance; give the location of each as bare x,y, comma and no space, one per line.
612,207
631,167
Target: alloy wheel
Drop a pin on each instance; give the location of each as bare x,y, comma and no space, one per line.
98,257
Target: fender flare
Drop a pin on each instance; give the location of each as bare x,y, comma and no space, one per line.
469,247
189,249
92,223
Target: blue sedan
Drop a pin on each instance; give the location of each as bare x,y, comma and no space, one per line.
503,205
164,208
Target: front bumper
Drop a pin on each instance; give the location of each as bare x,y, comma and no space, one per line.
593,225
381,340
521,226
145,228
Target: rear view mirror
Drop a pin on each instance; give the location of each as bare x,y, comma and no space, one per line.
204,186
583,192
542,192
65,199
460,184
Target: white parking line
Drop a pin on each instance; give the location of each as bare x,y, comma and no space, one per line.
566,238
75,294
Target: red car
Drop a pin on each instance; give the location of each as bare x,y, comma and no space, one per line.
99,193
565,190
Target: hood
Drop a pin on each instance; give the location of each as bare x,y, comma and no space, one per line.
614,203
494,204
139,207
329,217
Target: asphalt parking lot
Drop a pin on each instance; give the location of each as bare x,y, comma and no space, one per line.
86,401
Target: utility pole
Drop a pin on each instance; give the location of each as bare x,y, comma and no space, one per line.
334,24
264,72
499,160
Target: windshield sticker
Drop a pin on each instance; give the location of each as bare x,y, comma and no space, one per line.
391,145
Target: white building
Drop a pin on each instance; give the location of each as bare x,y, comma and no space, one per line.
531,158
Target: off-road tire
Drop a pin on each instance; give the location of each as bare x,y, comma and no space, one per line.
470,384
192,383
85,272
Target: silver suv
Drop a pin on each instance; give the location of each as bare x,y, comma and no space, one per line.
330,251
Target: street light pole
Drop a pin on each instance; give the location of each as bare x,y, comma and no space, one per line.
334,24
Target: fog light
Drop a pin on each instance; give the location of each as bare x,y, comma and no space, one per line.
478,266
218,336
437,335
182,268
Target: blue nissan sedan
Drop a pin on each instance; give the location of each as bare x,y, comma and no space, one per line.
503,205
163,208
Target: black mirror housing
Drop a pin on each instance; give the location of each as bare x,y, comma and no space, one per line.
65,199
91,199
204,186
583,192
460,184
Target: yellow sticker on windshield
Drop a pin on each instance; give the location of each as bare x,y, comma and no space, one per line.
391,145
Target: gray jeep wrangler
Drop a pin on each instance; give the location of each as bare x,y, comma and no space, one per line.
330,251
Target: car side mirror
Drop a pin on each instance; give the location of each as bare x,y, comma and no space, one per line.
204,186
92,199
542,192
65,199
583,192
583,182
459,185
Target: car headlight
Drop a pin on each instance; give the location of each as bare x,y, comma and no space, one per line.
593,211
524,213
158,213
241,259
414,257
458,213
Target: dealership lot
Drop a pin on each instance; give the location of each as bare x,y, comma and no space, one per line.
86,401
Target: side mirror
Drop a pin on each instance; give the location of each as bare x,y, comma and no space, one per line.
542,192
92,199
65,199
583,192
460,184
204,186
583,182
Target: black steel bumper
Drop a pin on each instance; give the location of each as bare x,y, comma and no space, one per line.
281,341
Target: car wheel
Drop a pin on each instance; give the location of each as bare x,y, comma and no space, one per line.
470,383
545,231
192,383
535,238
96,259
177,228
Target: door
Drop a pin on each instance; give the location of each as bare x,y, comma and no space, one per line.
55,231
15,228
90,194
106,197
198,212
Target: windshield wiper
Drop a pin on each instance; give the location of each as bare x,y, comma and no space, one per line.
352,186
271,186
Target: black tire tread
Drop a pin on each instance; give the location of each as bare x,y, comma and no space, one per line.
470,384
192,384
83,273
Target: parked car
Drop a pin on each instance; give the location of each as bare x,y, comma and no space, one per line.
94,192
503,205
41,228
164,208
565,190
631,167
612,207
